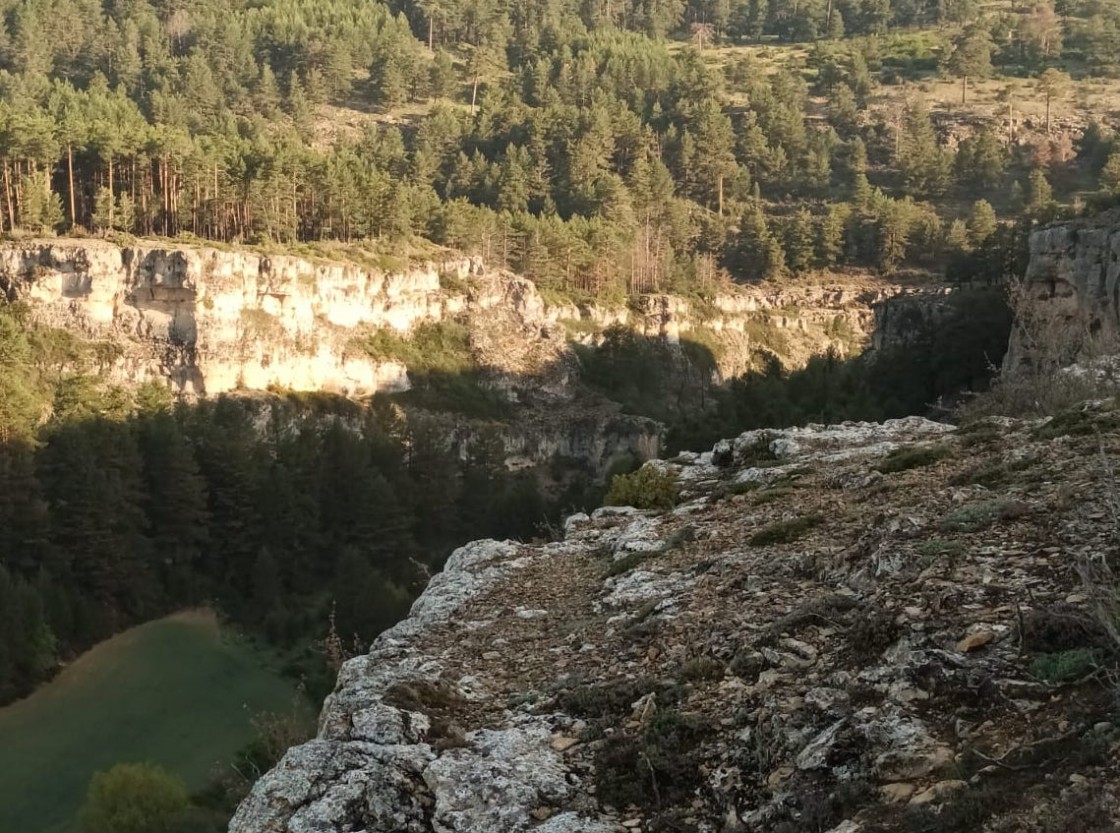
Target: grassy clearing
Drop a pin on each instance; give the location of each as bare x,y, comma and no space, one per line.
175,692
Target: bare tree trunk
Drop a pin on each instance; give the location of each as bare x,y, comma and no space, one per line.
8,195
112,198
70,176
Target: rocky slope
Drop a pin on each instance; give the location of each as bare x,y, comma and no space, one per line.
847,628
212,321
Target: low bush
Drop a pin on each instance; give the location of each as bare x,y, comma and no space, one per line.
647,488
1066,666
912,457
656,768
785,532
974,517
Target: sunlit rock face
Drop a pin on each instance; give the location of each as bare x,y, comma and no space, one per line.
213,320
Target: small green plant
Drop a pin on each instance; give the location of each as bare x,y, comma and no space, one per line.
647,488
976,516
743,487
978,433
759,451
1065,666
937,548
440,347
1078,422
657,767
776,492
701,668
912,457
626,563
990,475
452,284
872,633
784,532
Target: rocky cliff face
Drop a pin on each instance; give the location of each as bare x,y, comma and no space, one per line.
1070,293
847,628
212,321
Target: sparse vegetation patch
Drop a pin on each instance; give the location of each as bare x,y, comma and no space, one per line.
912,457
785,532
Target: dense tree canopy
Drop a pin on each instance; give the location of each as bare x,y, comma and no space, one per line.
567,139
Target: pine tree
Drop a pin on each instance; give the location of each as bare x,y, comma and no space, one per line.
1039,193
798,241
40,208
757,253
958,239
924,165
1110,173
830,243
970,57
103,210
982,222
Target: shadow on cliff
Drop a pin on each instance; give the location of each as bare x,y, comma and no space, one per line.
924,361
925,367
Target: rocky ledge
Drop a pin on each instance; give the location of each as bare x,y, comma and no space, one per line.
847,628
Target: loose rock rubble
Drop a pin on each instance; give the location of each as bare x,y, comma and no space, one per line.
805,643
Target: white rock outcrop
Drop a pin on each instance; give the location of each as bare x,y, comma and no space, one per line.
214,320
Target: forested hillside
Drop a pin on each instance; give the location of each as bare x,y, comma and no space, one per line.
597,146
280,513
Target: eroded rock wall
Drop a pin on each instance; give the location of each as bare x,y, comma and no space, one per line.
213,320
1070,294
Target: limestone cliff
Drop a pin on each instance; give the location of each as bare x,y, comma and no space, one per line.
847,628
211,320
1070,292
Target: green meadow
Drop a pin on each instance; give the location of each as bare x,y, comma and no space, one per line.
177,692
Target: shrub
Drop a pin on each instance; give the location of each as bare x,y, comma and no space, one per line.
872,633
939,549
701,668
626,563
976,516
912,457
758,451
784,532
133,798
1065,666
658,767
647,488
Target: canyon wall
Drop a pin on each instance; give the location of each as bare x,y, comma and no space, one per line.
211,321
1069,299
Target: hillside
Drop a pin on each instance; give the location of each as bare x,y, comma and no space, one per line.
850,628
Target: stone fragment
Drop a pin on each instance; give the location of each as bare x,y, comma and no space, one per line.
939,791
975,640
